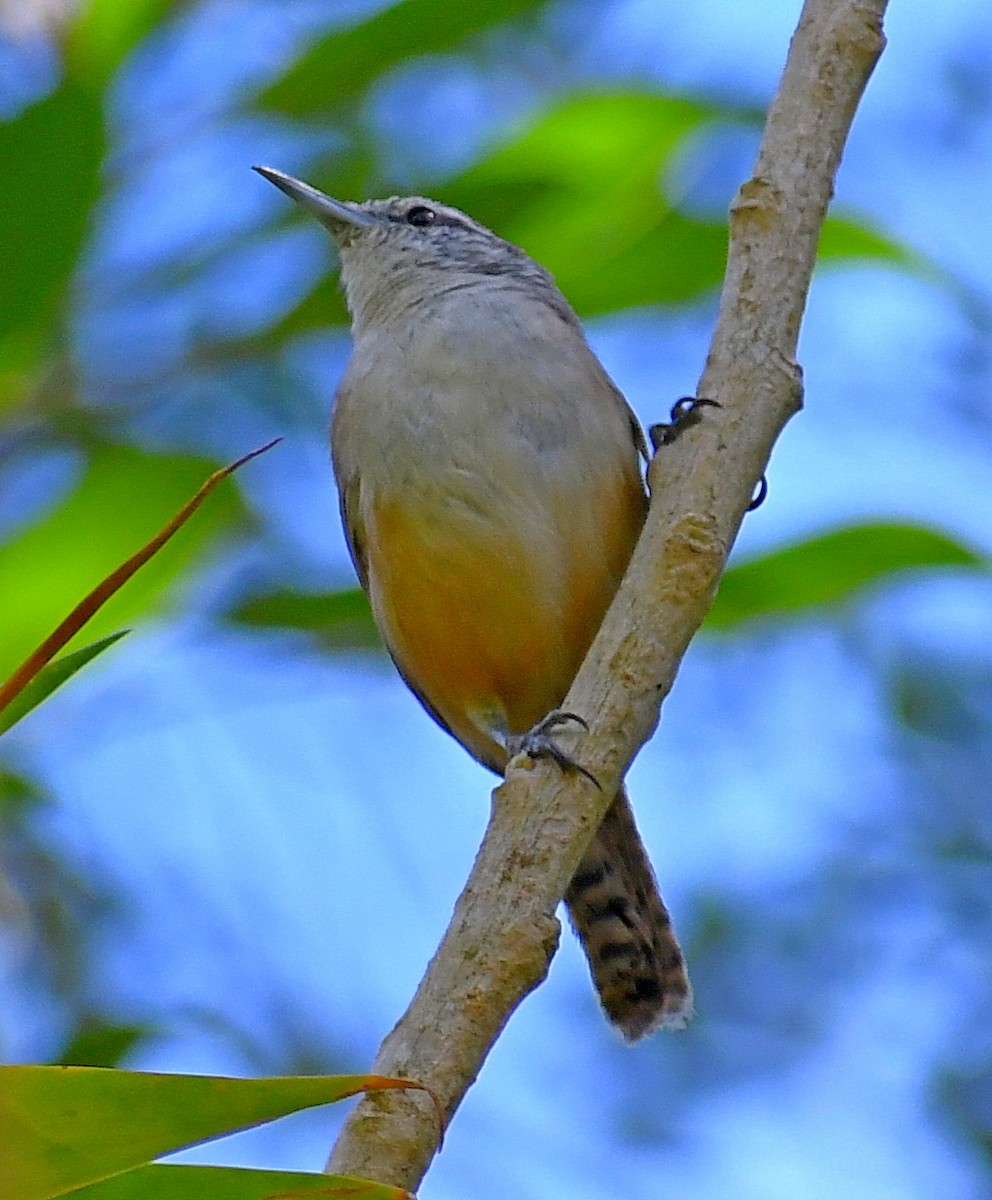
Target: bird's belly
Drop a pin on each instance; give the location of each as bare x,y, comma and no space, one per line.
488,622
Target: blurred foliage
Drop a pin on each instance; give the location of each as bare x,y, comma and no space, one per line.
40,674
339,68
843,240
588,207
97,1042
582,178
942,701
52,155
122,499
102,33
51,677
51,158
578,187
48,905
833,568
593,209
830,569
17,797
339,620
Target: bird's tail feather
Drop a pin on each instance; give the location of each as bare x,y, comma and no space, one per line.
625,930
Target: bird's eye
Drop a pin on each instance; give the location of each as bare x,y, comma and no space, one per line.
421,215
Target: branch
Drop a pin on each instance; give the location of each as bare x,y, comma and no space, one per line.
503,930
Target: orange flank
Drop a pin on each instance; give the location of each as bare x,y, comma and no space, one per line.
488,627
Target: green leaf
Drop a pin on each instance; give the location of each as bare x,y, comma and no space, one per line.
50,161
830,569
848,238
339,619
106,30
581,192
63,1127
17,797
99,1043
341,66
51,677
179,1182
123,498
933,697
51,158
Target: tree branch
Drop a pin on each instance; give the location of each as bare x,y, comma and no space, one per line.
503,931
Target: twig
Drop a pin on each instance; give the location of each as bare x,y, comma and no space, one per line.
503,931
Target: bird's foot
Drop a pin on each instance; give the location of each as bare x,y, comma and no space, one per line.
685,413
539,743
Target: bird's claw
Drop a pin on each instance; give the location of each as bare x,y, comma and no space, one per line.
760,495
539,743
685,413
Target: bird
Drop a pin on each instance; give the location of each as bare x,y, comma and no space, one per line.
491,490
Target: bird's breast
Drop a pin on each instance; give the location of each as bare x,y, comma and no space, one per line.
498,499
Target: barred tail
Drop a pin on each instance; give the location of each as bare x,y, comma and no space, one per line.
625,930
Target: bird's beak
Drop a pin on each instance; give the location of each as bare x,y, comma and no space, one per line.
332,213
